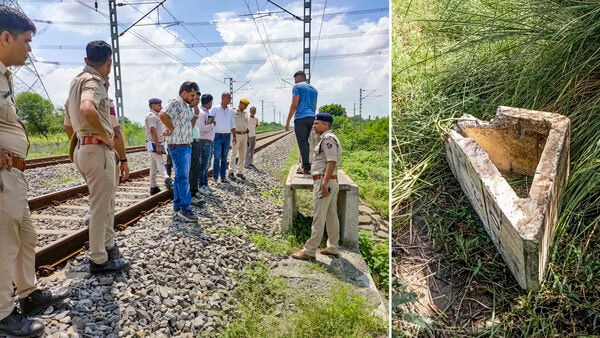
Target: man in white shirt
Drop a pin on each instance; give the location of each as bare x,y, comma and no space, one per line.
224,131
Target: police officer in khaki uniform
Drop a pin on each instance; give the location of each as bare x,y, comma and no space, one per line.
238,149
17,234
328,154
94,156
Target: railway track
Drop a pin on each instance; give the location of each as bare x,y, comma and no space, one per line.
61,159
60,217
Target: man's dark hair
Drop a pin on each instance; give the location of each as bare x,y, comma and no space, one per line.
14,21
97,52
206,98
188,86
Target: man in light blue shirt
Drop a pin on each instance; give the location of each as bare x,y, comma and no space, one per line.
303,108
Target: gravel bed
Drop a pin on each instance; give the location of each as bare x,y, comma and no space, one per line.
51,179
182,275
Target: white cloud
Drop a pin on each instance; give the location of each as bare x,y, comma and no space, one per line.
150,73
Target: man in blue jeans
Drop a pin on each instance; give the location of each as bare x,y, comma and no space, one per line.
303,108
224,130
206,125
179,125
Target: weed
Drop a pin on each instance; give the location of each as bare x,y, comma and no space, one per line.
61,181
376,256
267,307
455,57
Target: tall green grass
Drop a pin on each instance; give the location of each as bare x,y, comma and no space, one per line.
456,56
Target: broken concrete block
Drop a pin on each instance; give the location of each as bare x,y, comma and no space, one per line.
517,142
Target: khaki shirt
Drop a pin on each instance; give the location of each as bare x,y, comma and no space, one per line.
13,135
241,120
328,149
153,120
88,85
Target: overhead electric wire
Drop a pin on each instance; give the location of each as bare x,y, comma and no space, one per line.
246,62
221,44
275,70
208,50
193,50
319,37
209,23
178,39
162,50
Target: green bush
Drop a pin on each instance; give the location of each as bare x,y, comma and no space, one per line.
376,256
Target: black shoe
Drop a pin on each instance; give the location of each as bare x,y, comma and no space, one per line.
154,191
241,177
17,325
39,300
197,202
231,176
169,183
110,266
113,253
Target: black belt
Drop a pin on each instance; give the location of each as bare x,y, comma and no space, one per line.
205,141
184,145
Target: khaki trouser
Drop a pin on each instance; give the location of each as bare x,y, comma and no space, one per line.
17,241
239,148
157,164
324,215
97,165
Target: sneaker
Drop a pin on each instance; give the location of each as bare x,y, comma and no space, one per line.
17,325
187,215
176,210
241,177
231,176
154,191
169,183
37,301
205,190
197,202
224,180
111,265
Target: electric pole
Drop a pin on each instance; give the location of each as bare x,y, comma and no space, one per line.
306,44
116,59
19,83
230,87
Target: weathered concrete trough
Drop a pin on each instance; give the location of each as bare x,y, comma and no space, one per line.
516,142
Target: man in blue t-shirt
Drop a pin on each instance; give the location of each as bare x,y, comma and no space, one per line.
304,106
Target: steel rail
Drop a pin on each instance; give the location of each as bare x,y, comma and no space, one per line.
61,159
61,250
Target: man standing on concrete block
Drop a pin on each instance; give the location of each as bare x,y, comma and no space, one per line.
302,109
328,154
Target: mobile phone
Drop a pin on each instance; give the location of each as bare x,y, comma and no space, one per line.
319,194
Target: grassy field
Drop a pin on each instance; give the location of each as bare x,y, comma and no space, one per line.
455,57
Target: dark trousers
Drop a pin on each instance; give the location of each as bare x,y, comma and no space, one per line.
195,167
302,128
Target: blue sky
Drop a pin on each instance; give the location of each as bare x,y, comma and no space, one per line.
251,41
